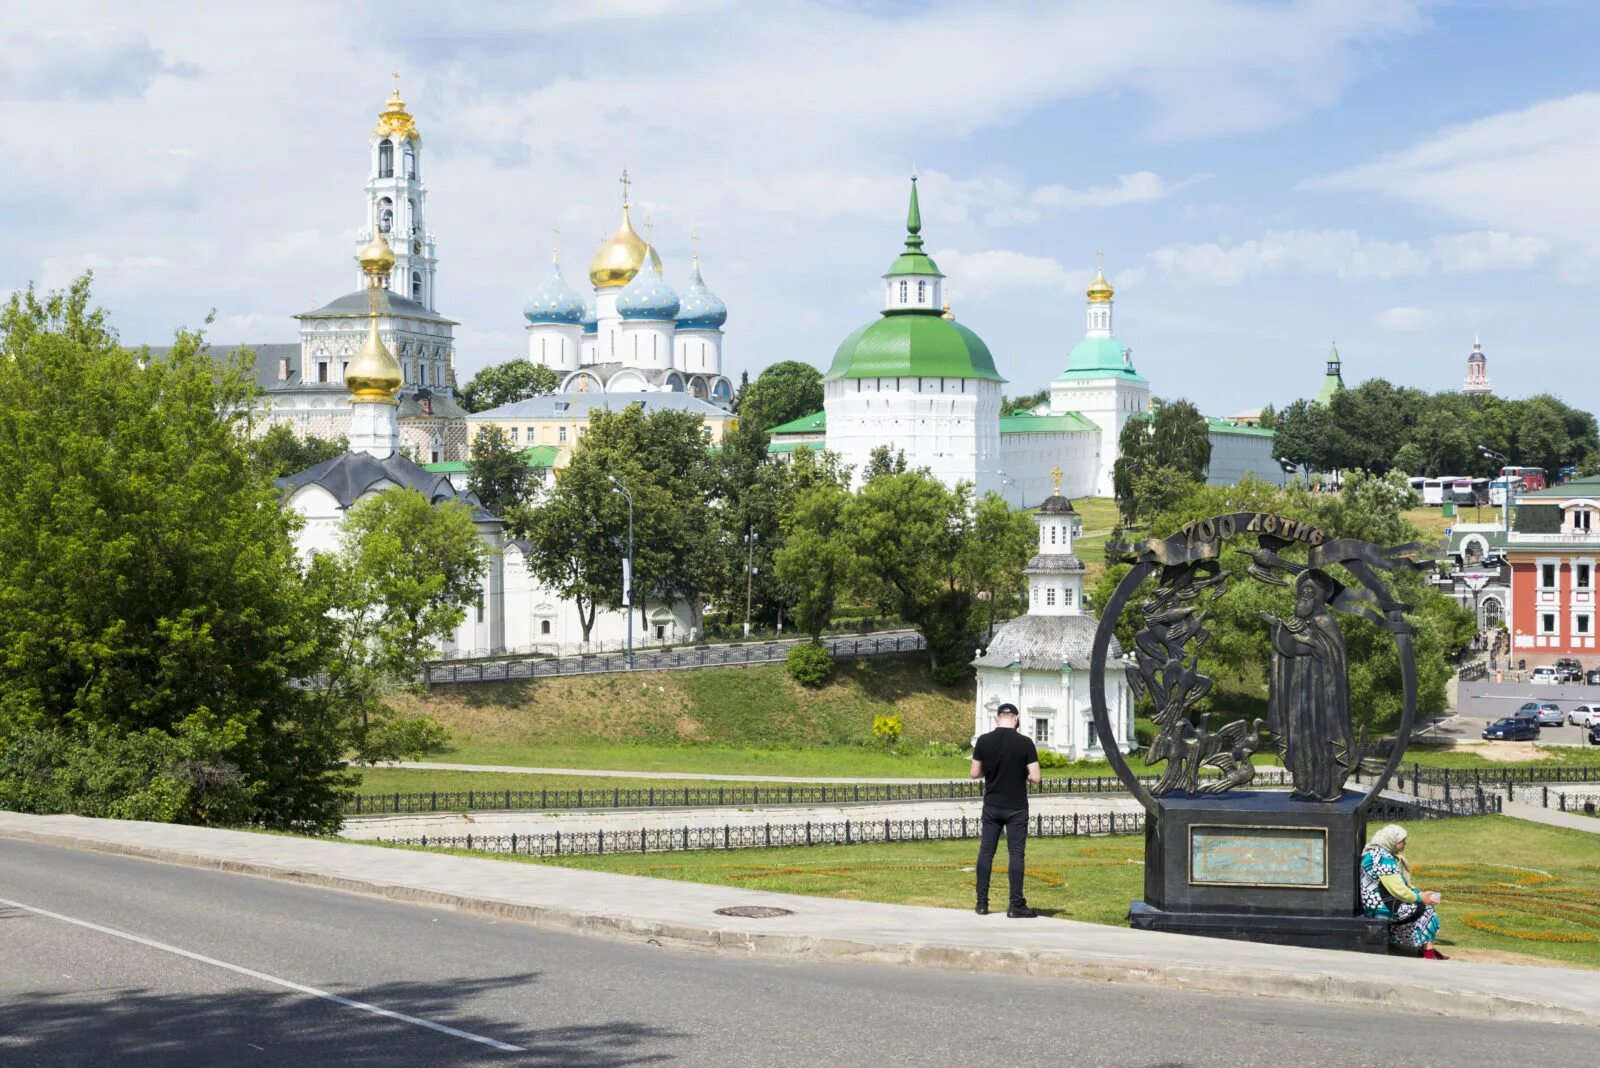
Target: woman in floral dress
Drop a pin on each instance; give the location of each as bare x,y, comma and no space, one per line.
1388,894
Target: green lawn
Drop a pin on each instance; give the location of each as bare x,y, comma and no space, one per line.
1509,887
421,781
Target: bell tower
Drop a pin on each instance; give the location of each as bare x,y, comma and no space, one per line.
396,201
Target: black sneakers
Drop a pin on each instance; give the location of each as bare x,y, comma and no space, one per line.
1023,913
982,910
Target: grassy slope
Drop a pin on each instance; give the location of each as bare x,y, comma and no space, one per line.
1496,872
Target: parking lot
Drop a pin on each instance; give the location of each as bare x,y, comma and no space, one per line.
1481,703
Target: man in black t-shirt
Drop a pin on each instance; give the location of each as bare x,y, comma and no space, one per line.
1007,760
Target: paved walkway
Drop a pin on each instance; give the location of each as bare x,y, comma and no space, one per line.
819,929
957,770
1551,817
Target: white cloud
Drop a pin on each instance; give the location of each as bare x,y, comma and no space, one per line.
1529,171
998,202
1405,319
99,64
983,274
1342,254
1485,250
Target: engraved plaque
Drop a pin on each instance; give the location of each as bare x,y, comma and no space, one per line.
1258,856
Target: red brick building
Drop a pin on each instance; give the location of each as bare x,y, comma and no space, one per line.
1553,550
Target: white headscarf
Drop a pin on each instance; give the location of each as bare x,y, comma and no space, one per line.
1391,838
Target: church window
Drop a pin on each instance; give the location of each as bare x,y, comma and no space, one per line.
655,345
1050,595
905,289
544,350
386,158
385,215
416,286
1041,729
344,369
544,626
1052,535
322,370
411,162
1036,595
1066,598
415,219
922,292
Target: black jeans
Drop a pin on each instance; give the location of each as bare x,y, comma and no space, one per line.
1015,823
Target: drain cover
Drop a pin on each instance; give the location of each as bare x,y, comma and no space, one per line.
754,912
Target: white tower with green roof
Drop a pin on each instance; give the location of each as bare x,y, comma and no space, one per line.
916,381
1100,383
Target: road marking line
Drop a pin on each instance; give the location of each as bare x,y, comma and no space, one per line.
273,979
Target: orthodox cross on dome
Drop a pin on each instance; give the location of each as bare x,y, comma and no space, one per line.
396,75
555,244
1055,479
625,184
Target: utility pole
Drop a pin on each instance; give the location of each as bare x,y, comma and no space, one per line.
749,575
627,567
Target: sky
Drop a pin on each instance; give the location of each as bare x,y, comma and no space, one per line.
1262,178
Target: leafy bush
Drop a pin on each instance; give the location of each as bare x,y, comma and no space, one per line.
1049,758
886,729
810,664
395,737
1144,732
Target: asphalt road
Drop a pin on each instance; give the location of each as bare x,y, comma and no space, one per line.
205,985
1477,710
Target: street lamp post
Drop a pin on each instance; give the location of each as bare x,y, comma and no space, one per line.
749,574
627,570
1505,495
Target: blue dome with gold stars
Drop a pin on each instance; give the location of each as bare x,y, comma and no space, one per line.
648,296
555,301
591,318
700,308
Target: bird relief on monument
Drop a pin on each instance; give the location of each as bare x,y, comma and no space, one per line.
1308,723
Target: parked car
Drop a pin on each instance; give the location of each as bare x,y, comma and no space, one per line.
1529,710
1568,669
1592,677
1545,674
1513,729
1594,734
1584,715
1549,714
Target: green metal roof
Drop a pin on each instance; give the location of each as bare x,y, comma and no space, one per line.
782,447
913,260
814,423
535,456
1332,381
1228,426
1098,357
913,346
1494,539
1578,487
1046,424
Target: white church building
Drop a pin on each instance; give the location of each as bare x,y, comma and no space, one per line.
1040,661
918,381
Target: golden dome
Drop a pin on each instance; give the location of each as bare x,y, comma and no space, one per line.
394,120
377,257
1100,289
945,312
620,256
373,377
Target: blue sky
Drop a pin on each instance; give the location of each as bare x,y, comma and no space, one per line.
1262,177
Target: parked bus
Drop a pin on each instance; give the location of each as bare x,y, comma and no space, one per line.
1532,478
1435,489
1498,488
1468,492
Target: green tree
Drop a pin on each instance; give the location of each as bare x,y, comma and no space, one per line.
401,585
498,473
991,558
884,460
815,560
785,391
1172,442
280,452
503,383
1025,403
156,616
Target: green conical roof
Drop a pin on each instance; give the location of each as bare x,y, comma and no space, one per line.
913,260
913,346
1332,380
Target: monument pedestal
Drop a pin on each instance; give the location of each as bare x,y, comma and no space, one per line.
1259,867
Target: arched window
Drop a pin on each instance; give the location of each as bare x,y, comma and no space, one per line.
385,215
544,626
415,218
411,161
905,289
922,292
386,158
416,286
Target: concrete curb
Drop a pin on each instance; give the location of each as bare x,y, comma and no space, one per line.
1399,992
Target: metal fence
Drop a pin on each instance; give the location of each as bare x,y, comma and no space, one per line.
765,835
859,832
670,659
737,794
1503,777
1559,799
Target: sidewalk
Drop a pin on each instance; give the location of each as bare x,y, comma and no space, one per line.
684,915
1551,817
